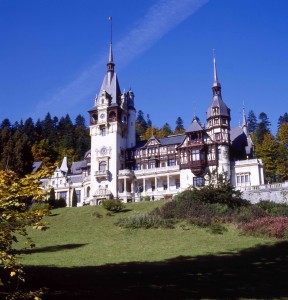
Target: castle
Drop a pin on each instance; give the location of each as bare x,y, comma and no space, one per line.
118,166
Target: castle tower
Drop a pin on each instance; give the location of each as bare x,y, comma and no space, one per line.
110,134
218,125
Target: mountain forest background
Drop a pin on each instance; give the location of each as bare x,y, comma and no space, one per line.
50,139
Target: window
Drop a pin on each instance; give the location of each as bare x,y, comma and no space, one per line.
103,131
63,195
78,195
171,162
198,181
137,167
88,191
152,165
195,154
243,179
177,185
219,154
217,136
216,121
102,166
163,164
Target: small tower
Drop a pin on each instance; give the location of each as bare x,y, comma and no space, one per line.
218,124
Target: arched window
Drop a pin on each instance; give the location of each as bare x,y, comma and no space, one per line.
88,191
102,166
112,116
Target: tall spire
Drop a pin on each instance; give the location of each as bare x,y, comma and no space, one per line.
244,122
110,64
216,84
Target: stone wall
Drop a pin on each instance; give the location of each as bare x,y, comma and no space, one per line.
277,192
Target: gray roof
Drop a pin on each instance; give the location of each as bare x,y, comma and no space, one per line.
169,140
218,102
36,166
75,178
240,141
194,126
111,85
77,166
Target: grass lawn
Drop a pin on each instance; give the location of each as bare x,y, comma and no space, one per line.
83,256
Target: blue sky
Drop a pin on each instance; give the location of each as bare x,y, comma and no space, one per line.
53,56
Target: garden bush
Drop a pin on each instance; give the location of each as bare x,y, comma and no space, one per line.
273,208
276,227
114,205
39,206
58,203
145,221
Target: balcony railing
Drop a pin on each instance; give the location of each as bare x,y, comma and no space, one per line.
102,174
157,170
125,172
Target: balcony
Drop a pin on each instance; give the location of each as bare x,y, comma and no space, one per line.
102,194
126,173
197,166
154,171
102,174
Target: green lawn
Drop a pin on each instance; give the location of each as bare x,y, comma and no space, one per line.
83,256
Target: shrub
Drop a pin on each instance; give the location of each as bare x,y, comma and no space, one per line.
145,221
217,228
146,198
57,203
97,214
248,214
114,205
39,206
276,227
273,208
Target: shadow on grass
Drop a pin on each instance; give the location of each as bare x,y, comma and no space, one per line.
50,248
53,215
257,273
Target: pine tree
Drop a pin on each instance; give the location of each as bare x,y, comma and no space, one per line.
165,130
268,151
282,162
252,122
141,125
179,126
263,127
283,120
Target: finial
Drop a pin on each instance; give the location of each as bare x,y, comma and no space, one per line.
110,19
110,64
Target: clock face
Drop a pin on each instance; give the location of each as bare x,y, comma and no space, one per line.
103,151
102,116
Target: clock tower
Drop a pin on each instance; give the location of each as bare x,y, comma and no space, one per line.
112,130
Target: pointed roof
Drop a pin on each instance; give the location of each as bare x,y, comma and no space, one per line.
194,126
64,165
217,101
244,122
110,82
216,82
